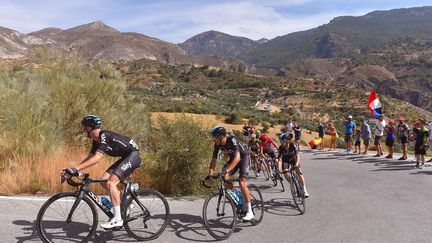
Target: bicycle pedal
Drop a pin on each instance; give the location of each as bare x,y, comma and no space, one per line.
117,228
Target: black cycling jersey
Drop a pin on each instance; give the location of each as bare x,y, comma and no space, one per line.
114,144
289,154
231,147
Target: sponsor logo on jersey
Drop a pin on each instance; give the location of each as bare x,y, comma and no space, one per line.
126,166
103,138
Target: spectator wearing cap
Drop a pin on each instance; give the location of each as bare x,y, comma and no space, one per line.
379,132
403,131
366,134
420,134
350,127
390,138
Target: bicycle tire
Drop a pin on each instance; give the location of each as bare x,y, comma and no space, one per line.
281,182
254,167
155,217
46,223
298,196
264,170
257,204
231,219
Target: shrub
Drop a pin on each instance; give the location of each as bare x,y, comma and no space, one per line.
234,118
181,152
41,107
266,127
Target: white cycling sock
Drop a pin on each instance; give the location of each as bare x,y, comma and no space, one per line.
249,206
117,213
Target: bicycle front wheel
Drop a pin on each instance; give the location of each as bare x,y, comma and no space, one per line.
52,224
257,204
264,170
297,194
147,216
220,216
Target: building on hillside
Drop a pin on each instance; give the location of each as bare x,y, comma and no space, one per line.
266,106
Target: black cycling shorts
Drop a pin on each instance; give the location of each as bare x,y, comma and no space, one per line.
286,164
243,165
124,167
273,154
404,140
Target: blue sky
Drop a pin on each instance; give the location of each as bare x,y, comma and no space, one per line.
176,21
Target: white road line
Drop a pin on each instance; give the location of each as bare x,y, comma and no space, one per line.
23,198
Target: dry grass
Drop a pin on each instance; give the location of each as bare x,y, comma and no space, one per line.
42,174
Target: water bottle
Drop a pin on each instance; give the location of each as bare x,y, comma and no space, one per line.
239,196
234,195
106,202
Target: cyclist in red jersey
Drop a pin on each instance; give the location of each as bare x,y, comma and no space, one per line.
269,149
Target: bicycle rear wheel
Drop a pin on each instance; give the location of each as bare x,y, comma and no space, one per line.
148,217
257,204
220,216
297,194
51,224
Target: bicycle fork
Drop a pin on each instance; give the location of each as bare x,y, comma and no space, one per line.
218,208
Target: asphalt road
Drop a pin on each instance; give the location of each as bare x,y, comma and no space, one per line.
354,198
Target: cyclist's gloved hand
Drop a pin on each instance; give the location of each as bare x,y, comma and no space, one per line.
71,171
223,173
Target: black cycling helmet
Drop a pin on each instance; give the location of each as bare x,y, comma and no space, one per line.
92,121
216,131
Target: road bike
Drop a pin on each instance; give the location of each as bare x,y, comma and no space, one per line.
297,191
259,165
221,210
72,216
275,173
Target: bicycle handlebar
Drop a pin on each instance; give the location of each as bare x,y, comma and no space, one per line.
214,177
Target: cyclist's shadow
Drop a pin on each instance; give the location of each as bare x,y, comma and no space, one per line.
281,207
29,229
190,227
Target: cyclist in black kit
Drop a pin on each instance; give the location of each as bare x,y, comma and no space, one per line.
239,160
114,145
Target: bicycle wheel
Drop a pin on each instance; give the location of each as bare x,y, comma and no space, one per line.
281,182
51,222
255,166
257,204
264,169
220,217
297,193
147,217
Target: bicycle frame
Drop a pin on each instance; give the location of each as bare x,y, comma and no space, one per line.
84,189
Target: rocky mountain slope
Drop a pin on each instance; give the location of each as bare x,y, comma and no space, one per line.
221,44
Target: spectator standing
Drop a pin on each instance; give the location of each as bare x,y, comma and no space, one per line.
331,130
379,132
321,135
420,135
290,129
390,138
403,137
297,135
350,127
430,138
357,137
366,134
246,129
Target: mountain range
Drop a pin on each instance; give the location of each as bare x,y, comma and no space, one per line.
390,51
